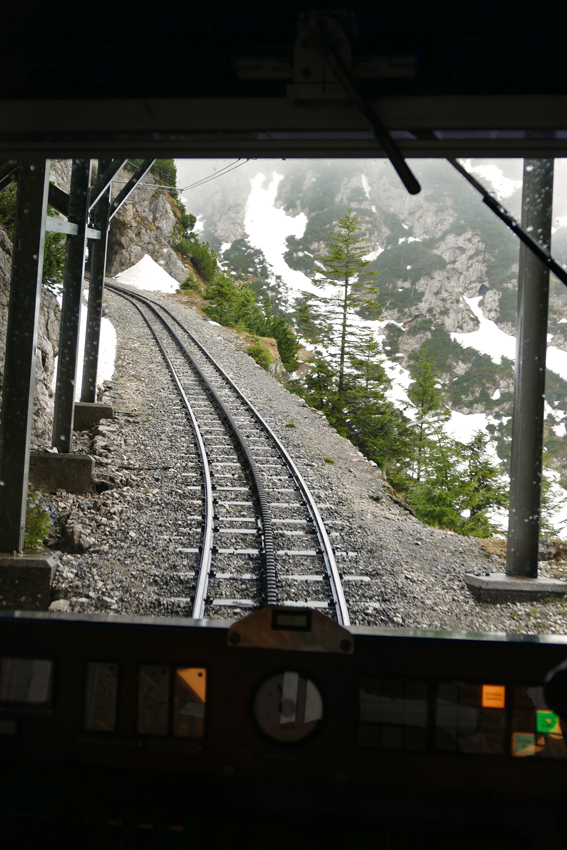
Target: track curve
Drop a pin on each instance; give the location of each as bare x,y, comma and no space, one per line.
243,422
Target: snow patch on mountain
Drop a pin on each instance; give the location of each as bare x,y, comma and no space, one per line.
147,274
489,338
268,227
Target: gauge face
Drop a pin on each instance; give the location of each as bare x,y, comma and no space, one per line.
288,706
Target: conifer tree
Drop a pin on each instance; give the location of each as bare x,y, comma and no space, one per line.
352,286
369,419
449,484
426,396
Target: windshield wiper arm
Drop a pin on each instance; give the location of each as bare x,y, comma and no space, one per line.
534,246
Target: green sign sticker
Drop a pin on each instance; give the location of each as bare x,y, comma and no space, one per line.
547,721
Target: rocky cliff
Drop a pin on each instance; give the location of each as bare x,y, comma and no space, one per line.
144,225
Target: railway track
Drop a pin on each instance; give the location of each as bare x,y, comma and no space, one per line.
251,521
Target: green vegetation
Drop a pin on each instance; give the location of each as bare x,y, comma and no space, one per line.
508,305
249,265
396,229
318,195
245,261
189,284
409,261
233,304
481,377
54,246
201,255
164,170
345,269
459,485
400,267
555,389
447,483
260,353
37,523
8,200
393,335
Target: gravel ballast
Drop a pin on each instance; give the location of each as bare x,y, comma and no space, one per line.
119,548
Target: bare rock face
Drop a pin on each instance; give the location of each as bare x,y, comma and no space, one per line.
144,225
47,348
47,345
60,174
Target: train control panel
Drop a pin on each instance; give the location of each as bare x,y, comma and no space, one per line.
285,711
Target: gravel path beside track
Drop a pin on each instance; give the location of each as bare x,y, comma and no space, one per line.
119,548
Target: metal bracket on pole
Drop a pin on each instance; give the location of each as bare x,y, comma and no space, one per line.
123,195
8,173
323,69
104,179
101,211
20,358
63,414
59,200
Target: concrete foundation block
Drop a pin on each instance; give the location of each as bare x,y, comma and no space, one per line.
87,414
25,582
500,587
69,472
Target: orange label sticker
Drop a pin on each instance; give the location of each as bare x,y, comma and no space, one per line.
493,696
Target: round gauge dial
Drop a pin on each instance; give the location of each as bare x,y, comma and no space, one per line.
288,706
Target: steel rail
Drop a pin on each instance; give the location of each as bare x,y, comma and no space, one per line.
325,544
267,534
207,544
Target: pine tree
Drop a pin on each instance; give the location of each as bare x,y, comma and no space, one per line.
318,386
345,272
483,487
449,484
460,484
426,397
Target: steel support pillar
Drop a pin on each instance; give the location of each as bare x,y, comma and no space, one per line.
531,345
63,413
20,358
101,214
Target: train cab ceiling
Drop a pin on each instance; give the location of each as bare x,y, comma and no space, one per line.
283,79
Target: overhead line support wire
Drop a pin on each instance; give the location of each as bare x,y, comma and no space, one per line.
211,177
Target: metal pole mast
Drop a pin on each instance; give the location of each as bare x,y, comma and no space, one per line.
101,215
20,359
531,345
71,308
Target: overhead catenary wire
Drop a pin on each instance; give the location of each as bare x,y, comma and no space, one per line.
237,164
226,170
